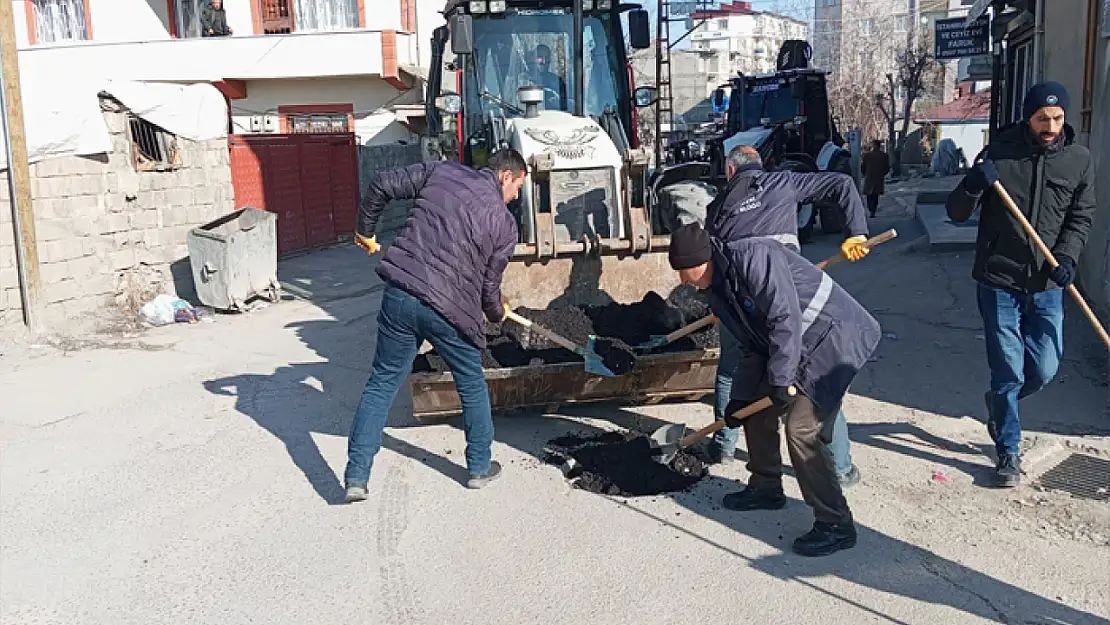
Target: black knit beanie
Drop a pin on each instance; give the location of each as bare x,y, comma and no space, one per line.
1044,94
690,247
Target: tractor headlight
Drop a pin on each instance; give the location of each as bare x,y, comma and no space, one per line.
477,6
497,6
604,5
587,5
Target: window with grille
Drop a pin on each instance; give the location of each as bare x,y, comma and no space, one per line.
866,26
318,122
59,20
285,16
152,147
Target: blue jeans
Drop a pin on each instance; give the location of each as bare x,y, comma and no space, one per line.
404,323
726,438
1024,334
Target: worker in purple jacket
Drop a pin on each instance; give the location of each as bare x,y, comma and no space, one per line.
442,273
814,339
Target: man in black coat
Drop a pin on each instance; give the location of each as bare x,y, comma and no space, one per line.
812,339
1051,179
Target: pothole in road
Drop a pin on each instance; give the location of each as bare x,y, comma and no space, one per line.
621,464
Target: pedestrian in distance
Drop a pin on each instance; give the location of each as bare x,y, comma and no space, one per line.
807,339
1051,180
442,273
875,166
758,203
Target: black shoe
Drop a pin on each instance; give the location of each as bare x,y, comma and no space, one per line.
826,539
1008,472
748,500
480,481
849,479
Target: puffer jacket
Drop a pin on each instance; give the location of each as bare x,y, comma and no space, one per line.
781,307
765,203
1054,187
456,243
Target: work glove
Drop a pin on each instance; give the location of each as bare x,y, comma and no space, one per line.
505,308
1064,273
981,177
853,248
369,244
783,396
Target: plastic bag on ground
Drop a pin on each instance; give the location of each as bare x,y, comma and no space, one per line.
167,309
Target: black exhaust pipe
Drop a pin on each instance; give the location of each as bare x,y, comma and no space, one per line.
579,65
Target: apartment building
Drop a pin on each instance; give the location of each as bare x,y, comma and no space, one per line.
287,66
735,38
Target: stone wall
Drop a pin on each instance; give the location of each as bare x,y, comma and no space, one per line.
108,234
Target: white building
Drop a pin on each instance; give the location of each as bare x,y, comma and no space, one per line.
737,38
289,65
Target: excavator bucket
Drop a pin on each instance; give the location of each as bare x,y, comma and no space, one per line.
552,272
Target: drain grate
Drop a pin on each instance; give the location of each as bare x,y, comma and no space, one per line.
1082,476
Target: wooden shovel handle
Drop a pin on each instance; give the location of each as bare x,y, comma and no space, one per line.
869,243
690,329
708,319
1033,236
544,332
743,413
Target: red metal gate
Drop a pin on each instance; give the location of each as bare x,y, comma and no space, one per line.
309,180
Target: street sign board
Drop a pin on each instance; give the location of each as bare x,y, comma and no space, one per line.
955,40
976,11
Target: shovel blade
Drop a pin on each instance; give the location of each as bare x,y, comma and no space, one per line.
665,442
656,340
594,364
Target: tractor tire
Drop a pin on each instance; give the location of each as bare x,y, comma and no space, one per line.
832,222
805,231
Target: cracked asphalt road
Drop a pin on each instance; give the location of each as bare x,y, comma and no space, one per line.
192,477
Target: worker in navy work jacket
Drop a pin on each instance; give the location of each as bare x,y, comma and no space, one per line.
442,273
1052,181
813,339
758,203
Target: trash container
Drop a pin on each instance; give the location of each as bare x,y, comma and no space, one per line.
234,259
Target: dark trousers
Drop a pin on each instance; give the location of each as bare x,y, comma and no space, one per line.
809,431
873,203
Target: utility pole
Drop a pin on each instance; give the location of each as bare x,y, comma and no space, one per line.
19,171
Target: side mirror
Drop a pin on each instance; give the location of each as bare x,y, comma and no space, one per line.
644,96
462,34
719,99
639,29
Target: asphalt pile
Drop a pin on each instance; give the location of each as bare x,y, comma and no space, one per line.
619,327
620,464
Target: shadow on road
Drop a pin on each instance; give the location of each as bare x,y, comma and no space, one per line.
300,399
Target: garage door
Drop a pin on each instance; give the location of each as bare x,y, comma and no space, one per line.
310,181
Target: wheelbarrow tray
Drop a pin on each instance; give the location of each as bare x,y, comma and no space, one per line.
687,375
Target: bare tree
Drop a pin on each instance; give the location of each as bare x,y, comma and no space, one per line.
917,73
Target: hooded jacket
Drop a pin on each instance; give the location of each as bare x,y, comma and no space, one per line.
456,243
1053,186
780,306
765,203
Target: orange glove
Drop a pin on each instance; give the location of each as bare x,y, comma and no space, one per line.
854,249
369,244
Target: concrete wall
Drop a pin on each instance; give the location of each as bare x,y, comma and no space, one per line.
968,137
1065,32
1094,267
374,124
107,234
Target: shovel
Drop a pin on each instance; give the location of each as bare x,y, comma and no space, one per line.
659,340
667,441
594,363
1047,253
